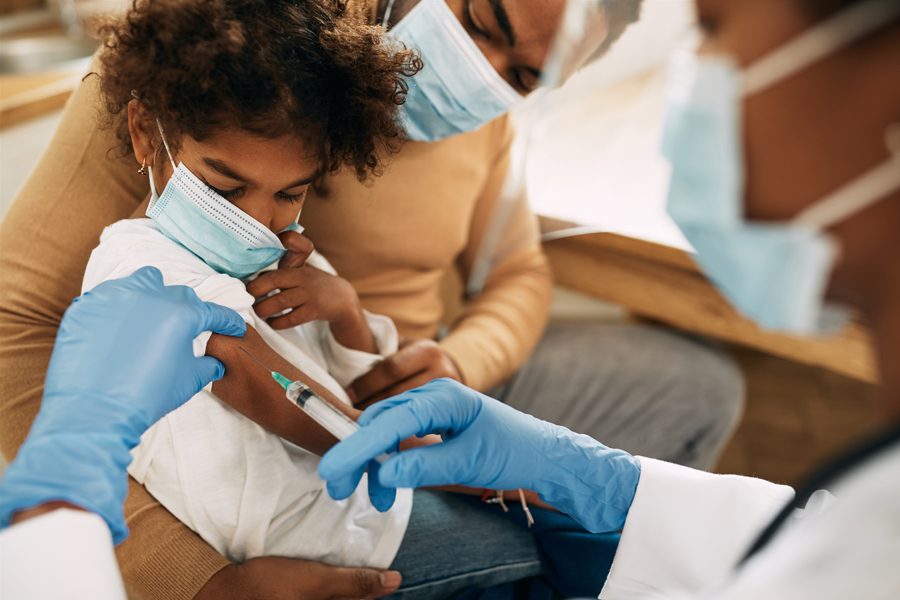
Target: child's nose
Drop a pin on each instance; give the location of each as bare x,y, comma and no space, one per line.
260,209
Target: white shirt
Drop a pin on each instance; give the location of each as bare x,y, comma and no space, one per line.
246,491
687,530
62,554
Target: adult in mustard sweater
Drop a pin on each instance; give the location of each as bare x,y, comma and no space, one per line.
638,388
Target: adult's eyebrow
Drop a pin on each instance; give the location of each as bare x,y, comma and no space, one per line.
503,21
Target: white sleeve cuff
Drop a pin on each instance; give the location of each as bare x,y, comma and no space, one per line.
62,554
686,528
346,364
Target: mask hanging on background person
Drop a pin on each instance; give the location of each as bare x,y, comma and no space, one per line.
226,238
775,273
458,89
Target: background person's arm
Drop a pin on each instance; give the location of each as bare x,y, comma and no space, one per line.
499,328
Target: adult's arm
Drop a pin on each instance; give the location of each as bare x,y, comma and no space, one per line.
682,528
78,187
80,558
686,528
499,327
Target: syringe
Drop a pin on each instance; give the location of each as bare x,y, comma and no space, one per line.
322,412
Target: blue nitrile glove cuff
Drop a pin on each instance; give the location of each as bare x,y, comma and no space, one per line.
586,480
65,458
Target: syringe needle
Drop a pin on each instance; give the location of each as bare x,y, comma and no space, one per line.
256,360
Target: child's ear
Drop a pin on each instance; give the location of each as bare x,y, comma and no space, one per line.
142,127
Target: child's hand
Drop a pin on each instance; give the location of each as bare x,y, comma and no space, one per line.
310,294
298,246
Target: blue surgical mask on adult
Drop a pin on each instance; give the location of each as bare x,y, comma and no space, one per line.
775,273
218,232
458,89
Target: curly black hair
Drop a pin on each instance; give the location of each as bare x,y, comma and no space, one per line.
309,68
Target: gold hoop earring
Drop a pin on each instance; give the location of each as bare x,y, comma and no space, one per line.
143,169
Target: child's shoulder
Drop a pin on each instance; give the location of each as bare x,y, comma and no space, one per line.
130,244
141,238
133,231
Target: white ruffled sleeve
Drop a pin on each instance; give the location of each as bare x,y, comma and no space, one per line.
346,364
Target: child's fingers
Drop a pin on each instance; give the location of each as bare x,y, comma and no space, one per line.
298,247
277,303
280,279
298,316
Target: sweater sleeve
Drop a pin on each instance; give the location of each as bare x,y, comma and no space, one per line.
500,326
75,191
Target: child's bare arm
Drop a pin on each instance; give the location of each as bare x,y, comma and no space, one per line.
249,389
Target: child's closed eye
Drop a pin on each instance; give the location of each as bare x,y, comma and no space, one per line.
292,198
230,195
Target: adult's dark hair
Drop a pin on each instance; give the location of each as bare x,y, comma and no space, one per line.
310,68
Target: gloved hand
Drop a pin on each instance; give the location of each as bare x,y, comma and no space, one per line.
123,358
486,444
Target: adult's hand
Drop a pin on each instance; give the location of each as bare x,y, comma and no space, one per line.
276,578
123,359
486,444
417,362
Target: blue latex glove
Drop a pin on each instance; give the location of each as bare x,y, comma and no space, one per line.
123,359
486,444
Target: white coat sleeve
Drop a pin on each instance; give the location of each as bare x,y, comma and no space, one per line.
62,554
686,528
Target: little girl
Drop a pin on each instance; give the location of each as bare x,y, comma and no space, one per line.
233,108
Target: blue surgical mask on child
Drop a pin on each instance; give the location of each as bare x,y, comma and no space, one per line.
458,89
218,232
774,273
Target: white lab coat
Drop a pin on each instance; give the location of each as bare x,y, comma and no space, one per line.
62,554
687,530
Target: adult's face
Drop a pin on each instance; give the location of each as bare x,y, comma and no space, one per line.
818,129
514,35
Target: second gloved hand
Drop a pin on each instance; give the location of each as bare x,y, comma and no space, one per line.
486,444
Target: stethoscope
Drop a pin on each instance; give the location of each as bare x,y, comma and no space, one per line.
821,480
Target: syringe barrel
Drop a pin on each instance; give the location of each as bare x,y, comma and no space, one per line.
330,418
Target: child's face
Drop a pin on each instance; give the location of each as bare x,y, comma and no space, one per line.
266,178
